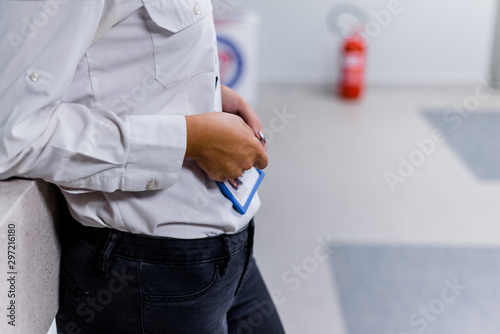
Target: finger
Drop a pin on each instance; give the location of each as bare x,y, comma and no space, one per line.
253,122
250,117
235,104
262,161
222,176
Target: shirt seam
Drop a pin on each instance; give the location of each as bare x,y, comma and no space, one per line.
124,180
92,177
91,81
145,12
187,79
114,14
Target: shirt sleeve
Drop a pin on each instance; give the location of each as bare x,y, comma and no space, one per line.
71,145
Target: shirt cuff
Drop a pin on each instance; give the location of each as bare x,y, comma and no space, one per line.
157,150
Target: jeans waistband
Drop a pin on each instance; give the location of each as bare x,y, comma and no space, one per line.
164,249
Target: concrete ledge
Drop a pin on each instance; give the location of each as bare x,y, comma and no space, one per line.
34,208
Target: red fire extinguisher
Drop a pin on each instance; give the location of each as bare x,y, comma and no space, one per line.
352,82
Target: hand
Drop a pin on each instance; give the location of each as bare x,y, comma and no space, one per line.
223,145
235,104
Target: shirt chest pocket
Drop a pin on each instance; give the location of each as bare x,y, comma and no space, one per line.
183,37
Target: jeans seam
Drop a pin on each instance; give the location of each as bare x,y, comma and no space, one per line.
76,291
106,253
138,268
171,263
199,293
249,247
215,259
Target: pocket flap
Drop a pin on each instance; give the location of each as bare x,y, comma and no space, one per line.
175,15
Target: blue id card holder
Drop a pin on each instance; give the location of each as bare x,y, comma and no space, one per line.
240,191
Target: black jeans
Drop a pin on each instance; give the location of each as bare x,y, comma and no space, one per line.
115,282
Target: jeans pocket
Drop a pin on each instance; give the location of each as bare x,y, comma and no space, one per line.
76,264
69,286
176,282
181,299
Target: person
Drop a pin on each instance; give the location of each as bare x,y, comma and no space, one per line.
118,104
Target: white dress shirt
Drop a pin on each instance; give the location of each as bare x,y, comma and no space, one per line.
93,96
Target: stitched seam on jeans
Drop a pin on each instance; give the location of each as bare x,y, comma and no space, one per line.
105,256
176,263
159,299
76,291
212,259
240,249
138,266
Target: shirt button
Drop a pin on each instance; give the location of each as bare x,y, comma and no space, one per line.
151,185
197,8
35,76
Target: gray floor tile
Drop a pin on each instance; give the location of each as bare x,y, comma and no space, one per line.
474,137
401,290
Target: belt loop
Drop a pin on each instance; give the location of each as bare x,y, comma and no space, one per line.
106,252
227,256
251,234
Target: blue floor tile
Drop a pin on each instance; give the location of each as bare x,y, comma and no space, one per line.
475,137
406,290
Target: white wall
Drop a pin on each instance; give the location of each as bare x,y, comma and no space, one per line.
429,41
495,68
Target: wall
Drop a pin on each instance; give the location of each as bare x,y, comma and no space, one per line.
30,214
495,66
424,42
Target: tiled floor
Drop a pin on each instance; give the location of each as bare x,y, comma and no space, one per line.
374,173
403,290
368,214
